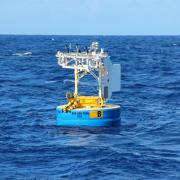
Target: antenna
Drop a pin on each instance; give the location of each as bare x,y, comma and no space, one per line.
69,47
77,48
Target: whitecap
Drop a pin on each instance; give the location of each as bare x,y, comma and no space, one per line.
23,54
48,82
27,53
176,44
136,154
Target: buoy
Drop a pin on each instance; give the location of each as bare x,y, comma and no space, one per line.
90,110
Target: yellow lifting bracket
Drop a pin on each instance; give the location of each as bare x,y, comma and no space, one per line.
83,101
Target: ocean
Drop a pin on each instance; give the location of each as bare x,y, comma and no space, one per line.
146,145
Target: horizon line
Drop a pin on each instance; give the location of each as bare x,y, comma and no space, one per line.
87,34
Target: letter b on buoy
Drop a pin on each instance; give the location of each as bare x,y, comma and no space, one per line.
99,114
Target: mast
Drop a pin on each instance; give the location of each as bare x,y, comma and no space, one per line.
100,81
76,78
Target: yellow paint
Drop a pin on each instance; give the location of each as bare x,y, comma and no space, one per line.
90,101
105,107
84,101
96,114
76,82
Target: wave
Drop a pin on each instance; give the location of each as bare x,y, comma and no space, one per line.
49,82
23,54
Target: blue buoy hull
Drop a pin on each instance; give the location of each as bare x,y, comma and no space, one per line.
107,116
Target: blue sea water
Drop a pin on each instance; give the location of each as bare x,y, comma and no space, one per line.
145,146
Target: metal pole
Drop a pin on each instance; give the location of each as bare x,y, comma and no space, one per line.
76,76
100,81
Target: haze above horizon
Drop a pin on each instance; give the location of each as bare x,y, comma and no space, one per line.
90,17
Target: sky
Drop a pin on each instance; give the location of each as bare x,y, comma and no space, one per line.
90,17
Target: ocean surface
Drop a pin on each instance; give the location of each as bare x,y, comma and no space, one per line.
145,146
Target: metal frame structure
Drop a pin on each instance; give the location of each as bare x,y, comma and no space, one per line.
83,63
